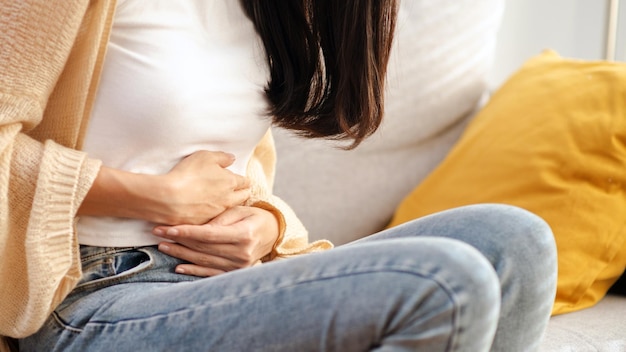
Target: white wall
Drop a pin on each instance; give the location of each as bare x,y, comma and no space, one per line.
573,28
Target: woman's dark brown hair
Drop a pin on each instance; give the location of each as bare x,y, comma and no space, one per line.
328,61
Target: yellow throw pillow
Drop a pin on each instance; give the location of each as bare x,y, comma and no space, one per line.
551,140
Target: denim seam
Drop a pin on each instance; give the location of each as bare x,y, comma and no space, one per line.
65,326
116,279
441,284
448,291
107,251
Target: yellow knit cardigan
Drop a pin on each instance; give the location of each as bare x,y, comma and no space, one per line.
51,54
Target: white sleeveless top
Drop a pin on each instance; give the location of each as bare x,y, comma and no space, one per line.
179,76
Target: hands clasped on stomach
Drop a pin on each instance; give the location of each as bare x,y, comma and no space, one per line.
200,204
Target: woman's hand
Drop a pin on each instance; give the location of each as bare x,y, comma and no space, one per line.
195,191
235,239
200,188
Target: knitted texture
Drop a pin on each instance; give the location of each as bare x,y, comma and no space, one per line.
51,54
41,185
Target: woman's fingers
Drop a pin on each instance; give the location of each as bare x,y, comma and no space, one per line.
242,182
204,263
197,236
223,159
200,187
235,239
240,196
196,270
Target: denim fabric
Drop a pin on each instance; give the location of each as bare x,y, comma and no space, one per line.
459,280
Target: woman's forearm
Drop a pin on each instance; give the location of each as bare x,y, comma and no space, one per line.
196,190
124,194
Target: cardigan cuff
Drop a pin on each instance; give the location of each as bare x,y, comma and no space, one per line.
281,227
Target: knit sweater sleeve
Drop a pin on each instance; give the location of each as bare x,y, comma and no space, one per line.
293,237
41,184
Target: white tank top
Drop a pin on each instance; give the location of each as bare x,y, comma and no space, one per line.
178,76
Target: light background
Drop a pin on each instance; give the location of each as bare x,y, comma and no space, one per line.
573,28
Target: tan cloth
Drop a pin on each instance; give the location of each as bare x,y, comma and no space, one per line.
51,54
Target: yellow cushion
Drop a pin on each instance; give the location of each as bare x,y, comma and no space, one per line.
551,140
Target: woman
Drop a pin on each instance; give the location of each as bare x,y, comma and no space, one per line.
127,127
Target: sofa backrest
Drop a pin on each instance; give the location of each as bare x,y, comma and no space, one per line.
438,76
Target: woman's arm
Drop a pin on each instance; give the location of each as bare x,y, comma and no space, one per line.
196,190
265,229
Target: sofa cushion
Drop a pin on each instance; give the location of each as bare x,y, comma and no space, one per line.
438,75
599,328
552,140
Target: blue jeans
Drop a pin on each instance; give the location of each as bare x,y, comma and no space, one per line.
469,279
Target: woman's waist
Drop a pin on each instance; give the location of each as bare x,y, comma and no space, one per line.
115,232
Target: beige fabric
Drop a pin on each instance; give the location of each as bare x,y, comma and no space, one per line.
50,59
601,328
293,239
42,184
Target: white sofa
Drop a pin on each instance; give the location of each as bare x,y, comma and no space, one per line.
437,80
